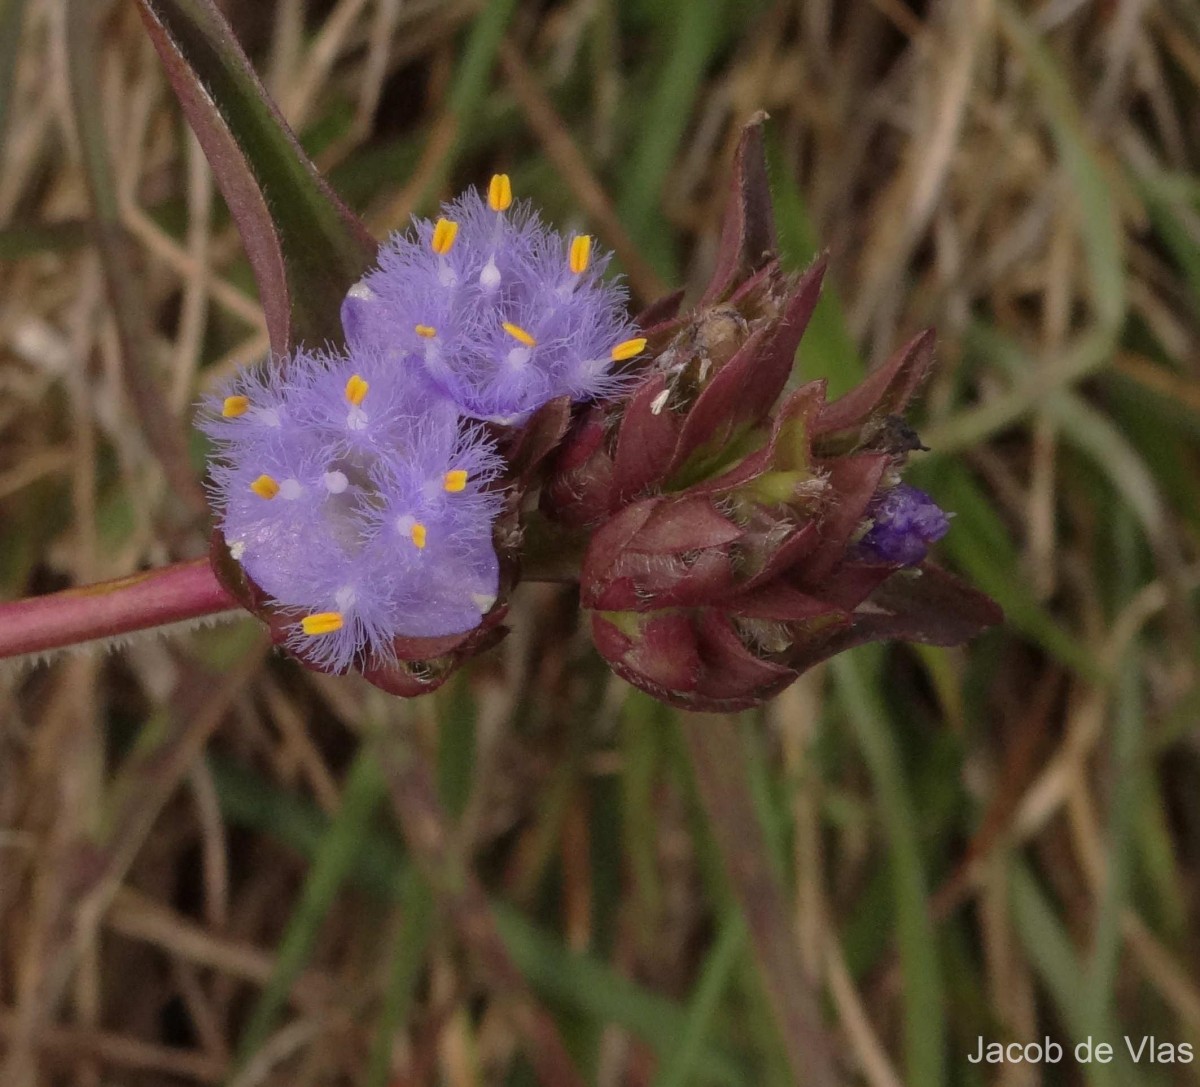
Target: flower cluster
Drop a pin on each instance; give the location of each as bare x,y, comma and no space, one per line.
502,313
358,491
356,503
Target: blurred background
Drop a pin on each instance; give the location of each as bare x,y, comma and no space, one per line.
203,879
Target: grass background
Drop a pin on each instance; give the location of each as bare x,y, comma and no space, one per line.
215,868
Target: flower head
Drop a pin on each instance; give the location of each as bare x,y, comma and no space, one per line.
357,501
495,311
738,533
714,579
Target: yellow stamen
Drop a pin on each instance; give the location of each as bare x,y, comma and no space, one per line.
444,234
418,534
235,406
581,253
426,331
324,622
628,348
499,192
518,333
455,480
265,487
356,390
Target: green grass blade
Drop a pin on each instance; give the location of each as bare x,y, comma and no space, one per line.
924,1013
470,86
1125,759
478,58
580,982
419,921
589,986
693,36
11,16
1090,431
1160,887
456,744
1048,946
1170,200
641,740
764,791
334,856
679,1069
1098,222
1090,353
1053,958
828,349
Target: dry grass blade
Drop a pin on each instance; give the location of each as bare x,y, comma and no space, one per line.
124,284
427,832
94,872
71,1045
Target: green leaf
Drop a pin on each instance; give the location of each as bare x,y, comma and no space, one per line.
305,246
680,1068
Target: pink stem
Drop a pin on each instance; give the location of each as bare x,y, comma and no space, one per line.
170,594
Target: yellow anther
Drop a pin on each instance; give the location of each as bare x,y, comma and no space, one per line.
426,331
444,234
235,406
518,333
265,487
324,622
581,253
418,534
499,192
628,348
356,390
455,481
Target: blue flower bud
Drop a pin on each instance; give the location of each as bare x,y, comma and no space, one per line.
904,523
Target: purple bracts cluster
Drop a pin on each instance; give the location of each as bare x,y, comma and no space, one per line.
501,313
905,521
357,490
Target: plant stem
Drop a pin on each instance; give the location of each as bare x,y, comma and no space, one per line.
719,763
170,594
126,605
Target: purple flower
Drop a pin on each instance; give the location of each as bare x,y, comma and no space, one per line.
904,522
356,500
495,310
